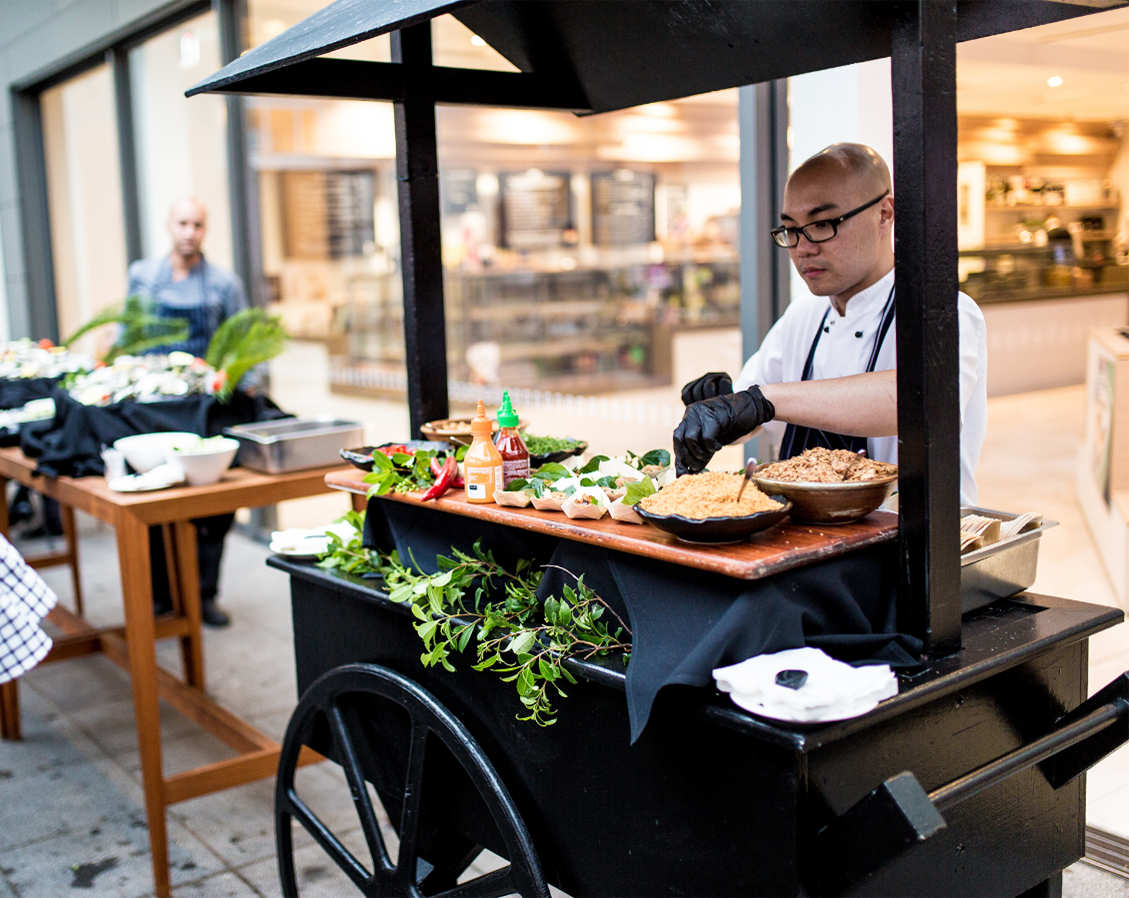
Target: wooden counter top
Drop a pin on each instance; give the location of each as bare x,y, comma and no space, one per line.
780,548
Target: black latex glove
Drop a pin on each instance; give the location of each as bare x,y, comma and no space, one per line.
716,383
708,425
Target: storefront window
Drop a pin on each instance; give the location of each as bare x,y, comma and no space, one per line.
85,197
181,143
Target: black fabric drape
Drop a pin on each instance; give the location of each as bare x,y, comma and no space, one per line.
71,443
684,622
21,391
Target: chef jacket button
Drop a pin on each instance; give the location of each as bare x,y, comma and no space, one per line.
858,333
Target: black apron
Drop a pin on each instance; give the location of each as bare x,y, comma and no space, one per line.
203,318
798,438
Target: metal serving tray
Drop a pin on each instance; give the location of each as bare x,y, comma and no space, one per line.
295,443
1001,569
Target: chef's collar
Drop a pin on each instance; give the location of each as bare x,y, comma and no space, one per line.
872,298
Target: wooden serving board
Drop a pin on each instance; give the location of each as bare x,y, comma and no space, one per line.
777,549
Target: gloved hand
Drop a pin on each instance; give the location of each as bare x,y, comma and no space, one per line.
716,383
708,425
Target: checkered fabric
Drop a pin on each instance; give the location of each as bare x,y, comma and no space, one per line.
24,601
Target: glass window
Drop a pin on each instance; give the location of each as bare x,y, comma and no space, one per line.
85,197
181,143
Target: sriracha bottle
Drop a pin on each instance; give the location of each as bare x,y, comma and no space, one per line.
515,456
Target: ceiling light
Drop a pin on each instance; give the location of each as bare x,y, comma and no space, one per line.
477,41
1054,81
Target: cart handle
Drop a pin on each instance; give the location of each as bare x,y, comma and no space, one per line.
900,814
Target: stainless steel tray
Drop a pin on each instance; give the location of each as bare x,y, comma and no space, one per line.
1001,569
293,444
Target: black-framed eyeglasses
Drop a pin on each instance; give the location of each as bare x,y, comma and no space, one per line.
819,231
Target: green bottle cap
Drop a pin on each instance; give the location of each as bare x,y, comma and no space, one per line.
507,417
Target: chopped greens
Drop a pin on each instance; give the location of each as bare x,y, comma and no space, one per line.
548,445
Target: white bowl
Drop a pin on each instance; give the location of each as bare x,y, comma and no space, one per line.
145,451
206,464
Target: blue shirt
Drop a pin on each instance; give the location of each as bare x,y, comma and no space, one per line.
207,297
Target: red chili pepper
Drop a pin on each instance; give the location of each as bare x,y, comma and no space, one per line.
436,468
443,481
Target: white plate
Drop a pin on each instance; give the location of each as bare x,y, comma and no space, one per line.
130,484
761,711
305,550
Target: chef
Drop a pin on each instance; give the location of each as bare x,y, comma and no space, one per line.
825,373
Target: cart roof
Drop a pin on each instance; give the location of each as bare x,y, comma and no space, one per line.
613,55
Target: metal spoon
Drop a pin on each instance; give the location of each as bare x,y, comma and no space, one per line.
750,467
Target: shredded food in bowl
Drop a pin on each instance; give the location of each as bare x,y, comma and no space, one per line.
821,465
709,495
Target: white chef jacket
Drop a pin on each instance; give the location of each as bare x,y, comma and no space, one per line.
844,349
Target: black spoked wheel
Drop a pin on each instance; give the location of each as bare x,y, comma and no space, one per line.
386,730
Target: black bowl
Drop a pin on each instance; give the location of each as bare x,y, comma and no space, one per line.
717,531
535,461
362,457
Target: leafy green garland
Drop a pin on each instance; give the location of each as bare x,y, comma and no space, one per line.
473,597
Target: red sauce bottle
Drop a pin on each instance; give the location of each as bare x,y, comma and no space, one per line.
515,457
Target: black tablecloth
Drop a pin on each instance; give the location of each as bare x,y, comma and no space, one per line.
71,443
684,622
20,391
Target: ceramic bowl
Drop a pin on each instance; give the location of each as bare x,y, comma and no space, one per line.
830,503
206,464
362,457
144,451
717,531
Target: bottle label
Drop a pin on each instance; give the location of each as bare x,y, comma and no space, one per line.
481,482
515,468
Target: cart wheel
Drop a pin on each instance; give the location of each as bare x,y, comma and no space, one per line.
333,708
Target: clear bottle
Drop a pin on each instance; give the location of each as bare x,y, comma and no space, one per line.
483,462
515,455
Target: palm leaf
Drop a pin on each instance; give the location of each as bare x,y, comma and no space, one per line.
246,339
140,329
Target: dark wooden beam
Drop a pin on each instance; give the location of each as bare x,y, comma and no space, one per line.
118,61
356,79
421,258
923,73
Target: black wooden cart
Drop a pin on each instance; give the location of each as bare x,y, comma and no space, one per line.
995,697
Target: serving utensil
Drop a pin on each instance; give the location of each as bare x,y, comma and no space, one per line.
750,469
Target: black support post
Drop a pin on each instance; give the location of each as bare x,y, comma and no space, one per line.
923,71
417,171
117,58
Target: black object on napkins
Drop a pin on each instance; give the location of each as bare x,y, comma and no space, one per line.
792,679
71,442
684,622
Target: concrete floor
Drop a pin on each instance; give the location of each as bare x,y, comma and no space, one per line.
70,794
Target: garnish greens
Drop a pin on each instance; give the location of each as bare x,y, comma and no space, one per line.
548,445
401,472
473,598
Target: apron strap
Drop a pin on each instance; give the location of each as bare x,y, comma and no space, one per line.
798,438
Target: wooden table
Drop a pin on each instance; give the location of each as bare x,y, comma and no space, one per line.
133,646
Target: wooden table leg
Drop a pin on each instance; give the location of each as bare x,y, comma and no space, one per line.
137,595
10,711
70,532
187,574
360,501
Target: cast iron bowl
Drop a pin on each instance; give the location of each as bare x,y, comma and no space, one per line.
535,461
717,531
830,503
362,457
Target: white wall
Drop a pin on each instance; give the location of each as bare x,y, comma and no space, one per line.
848,104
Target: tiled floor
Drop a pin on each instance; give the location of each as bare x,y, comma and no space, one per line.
70,795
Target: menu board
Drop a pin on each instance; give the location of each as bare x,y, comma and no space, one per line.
328,214
458,190
535,209
623,207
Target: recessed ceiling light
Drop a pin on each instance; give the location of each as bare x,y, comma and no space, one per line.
1054,81
479,42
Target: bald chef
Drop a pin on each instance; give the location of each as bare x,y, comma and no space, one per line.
825,373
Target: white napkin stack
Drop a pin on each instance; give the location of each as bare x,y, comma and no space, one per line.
301,541
833,690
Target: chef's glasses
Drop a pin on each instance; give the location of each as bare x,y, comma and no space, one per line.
818,231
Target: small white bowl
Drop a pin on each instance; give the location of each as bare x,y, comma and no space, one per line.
144,451
207,463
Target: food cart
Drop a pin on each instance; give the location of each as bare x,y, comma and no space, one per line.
968,782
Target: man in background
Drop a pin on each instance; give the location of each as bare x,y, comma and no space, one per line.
183,284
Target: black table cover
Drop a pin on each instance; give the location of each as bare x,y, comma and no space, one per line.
17,392
684,622
71,443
